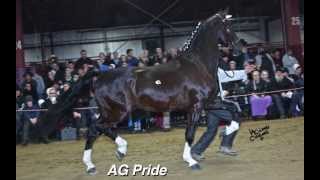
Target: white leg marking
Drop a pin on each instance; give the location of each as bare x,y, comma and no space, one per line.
122,144
87,159
234,126
187,155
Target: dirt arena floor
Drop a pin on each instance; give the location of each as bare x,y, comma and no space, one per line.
279,156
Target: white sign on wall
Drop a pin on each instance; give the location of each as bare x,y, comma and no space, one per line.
18,45
295,21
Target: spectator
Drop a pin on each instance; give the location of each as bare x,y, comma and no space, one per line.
283,83
159,55
173,52
286,74
243,57
276,56
68,75
70,65
83,62
232,65
59,73
101,63
132,61
157,58
30,90
52,59
224,62
276,98
66,87
297,72
102,58
258,57
19,105
116,59
18,123
267,64
123,60
296,106
69,70
249,67
51,99
19,97
28,78
29,118
144,58
39,80
288,60
108,61
50,78
82,72
259,103
75,78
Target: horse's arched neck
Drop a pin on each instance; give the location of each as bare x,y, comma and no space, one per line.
204,50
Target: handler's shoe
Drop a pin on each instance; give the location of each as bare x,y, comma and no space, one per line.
197,157
227,151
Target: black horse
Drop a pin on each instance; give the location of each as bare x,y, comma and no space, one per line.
185,83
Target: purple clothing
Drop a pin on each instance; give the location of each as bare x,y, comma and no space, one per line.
259,105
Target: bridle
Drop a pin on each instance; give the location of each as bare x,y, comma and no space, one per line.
231,42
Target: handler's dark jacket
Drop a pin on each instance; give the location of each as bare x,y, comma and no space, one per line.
219,104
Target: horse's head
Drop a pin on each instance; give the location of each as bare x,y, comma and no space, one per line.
222,22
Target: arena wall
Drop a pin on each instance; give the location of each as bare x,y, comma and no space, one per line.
67,44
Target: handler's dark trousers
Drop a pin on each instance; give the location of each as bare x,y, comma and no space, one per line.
213,120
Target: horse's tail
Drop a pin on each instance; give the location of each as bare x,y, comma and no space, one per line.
49,119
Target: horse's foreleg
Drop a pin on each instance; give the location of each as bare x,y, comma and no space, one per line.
91,169
120,142
189,137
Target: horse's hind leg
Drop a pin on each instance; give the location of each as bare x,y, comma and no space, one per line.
120,142
189,137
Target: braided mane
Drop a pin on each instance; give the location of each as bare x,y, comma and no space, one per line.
191,39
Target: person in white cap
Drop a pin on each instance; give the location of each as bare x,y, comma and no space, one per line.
297,72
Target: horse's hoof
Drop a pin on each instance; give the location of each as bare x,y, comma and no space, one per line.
92,171
195,167
119,155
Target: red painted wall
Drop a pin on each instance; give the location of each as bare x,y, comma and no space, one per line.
19,42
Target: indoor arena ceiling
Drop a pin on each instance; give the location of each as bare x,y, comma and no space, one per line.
57,15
